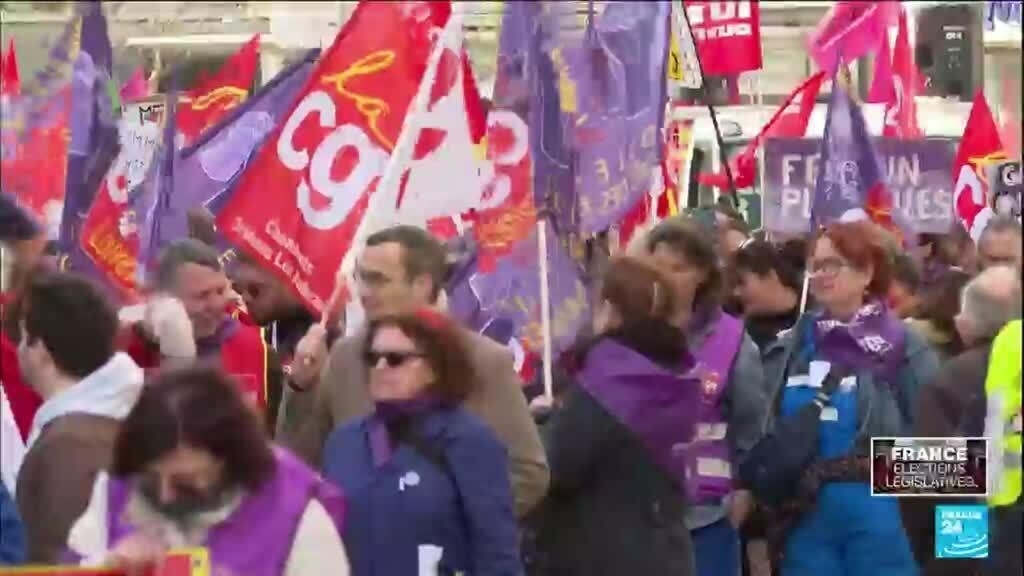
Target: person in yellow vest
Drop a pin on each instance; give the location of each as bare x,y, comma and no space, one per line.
1003,428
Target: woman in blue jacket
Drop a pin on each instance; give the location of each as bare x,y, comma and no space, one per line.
12,534
836,526
427,483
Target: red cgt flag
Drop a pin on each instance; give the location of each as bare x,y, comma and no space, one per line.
206,103
298,204
900,107
10,80
789,121
727,35
980,147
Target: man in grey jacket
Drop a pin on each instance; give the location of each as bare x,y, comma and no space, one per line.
404,267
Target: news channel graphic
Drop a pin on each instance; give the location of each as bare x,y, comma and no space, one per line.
961,531
905,467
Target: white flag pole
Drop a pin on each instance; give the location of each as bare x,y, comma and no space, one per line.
545,308
804,291
386,194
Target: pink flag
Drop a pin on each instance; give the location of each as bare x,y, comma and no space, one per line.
881,82
848,31
136,88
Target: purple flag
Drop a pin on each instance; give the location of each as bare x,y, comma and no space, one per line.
95,142
207,170
851,182
152,195
620,79
512,293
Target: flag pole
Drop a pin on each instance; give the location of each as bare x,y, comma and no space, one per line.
545,307
722,153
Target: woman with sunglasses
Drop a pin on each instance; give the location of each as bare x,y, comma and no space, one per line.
838,527
428,483
192,468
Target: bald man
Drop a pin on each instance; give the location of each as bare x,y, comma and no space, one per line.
954,403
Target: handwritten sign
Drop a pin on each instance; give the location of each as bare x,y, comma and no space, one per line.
917,173
140,135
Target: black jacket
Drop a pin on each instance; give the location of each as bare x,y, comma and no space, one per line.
610,510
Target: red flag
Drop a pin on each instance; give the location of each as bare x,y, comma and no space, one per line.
136,88
901,107
325,160
10,80
208,101
727,35
980,147
789,121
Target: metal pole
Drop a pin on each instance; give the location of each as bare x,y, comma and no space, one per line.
722,153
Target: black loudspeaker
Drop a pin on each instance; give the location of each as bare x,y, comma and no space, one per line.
949,50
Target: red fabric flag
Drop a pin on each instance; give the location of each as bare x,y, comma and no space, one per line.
727,35
10,80
980,147
325,160
901,107
212,98
789,121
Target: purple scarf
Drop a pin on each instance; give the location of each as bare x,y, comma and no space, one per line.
388,412
873,340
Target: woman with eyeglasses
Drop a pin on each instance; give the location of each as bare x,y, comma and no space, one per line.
833,525
427,483
192,468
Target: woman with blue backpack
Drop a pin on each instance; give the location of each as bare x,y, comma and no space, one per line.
846,372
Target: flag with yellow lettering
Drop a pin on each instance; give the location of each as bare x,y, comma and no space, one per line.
207,102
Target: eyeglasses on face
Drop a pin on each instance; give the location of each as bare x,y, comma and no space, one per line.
827,266
391,358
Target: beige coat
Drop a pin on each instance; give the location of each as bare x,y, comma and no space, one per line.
308,418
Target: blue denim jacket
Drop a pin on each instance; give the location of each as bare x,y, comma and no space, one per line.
883,408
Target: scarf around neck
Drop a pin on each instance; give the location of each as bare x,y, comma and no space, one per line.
873,340
389,414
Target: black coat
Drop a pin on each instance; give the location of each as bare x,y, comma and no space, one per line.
610,510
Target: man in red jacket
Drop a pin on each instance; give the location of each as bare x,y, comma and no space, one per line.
188,317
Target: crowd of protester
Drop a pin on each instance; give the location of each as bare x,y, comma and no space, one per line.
223,414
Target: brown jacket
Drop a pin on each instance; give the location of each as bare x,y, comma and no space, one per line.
56,478
308,418
945,407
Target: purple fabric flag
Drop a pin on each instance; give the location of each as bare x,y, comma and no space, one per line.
553,103
851,182
512,292
208,169
95,141
151,197
620,79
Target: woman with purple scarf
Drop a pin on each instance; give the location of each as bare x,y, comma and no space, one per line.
834,525
428,483
617,440
193,468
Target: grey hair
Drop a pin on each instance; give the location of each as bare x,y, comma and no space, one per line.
179,253
988,310
1000,224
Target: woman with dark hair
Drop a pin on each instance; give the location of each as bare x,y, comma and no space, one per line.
192,467
832,524
616,444
934,318
428,483
769,282
734,400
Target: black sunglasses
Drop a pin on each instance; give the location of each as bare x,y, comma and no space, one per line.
392,359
